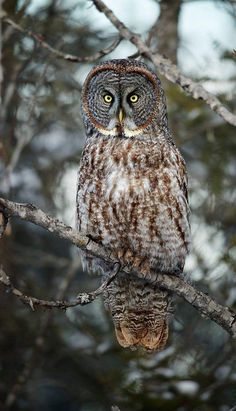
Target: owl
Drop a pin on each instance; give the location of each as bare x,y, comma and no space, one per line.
132,196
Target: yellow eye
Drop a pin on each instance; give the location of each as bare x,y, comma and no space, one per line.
108,98
134,98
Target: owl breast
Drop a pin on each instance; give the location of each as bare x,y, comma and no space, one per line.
120,185
133,202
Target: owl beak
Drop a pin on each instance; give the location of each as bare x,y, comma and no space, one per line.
121,115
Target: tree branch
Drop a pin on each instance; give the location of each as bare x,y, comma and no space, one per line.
59,54
81,299
166,68
223,316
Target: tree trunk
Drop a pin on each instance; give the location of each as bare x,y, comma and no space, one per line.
166,33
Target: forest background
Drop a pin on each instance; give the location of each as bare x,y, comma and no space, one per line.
69,360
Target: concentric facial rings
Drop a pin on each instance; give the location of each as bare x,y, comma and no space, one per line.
121,85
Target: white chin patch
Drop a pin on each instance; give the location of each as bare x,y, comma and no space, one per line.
130,133
107,132
115,132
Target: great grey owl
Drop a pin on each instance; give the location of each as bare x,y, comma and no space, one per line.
132,195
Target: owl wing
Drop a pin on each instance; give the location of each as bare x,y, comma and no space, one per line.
90,263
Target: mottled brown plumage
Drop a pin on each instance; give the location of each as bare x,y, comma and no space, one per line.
132,195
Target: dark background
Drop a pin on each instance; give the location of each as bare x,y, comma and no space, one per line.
70,361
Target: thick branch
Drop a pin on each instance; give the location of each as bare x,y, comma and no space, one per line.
164,36
168,69
59,54
223,316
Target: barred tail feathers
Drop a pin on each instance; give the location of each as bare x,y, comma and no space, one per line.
140,312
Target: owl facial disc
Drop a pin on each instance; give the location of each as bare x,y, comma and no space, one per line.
120,98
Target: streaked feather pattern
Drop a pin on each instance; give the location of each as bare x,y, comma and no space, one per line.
132,198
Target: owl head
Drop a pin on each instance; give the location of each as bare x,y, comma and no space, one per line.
123,98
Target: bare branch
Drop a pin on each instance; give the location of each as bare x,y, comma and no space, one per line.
33,214
59,54
81,299
168,69
223,316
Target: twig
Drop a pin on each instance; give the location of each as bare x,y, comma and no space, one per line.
81,299
59,54
168,69
223,316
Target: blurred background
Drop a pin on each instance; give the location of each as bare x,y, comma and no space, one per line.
70,361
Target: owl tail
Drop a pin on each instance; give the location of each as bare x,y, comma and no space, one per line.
140,312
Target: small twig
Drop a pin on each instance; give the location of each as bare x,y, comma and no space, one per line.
168,69
223,316
81,299
59,54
